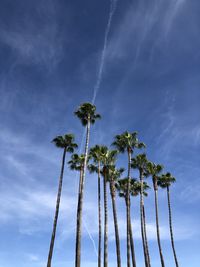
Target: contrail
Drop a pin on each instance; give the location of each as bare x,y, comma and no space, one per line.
91,238
113,5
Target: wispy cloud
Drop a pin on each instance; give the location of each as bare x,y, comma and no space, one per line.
32,257
176,131
34,44
37,48
191,193
32,206
174,9
16,148
143,23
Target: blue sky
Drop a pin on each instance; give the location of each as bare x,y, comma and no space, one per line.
50,55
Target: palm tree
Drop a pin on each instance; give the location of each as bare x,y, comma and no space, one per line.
122,189
77,163
140,162
113,176
87,115
96,153
165,181
154,170
65,142
145,187
135,188
127,142
135,191
108,159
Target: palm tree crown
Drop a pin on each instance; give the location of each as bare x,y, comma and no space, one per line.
121,186
135,187
96,154
165,180
65,141
127,141
77,162
104,156
154,170
140,162
114,173
87,112
108,159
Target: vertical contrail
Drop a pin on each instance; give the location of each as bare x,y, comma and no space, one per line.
91,238
113,5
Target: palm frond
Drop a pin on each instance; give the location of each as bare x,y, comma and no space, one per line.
65,141
87,112
92,168
127,141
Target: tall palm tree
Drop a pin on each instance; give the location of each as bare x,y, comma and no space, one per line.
145,187
108,159
127,142
122,189
154,170
77,163
87,115
135,191
140,162
96,153
165,181
113,176
65,142
135,188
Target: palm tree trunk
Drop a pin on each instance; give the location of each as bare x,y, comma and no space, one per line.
132,245
80,203
80,180
112,192
105,224
99,215
142,221
57,211
128,208
170,225
145,238
128,236
157,228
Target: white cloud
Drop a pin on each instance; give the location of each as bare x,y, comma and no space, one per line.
16,164
31,207
33,41
39,48
176,131
190,193
33,257
15,148
34,48
174,9
139,25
